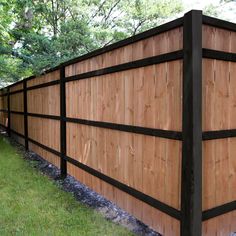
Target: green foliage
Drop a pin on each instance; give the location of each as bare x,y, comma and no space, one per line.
145,14
211,10
38,34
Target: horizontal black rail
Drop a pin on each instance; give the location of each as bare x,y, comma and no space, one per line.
218,55
207,53
219,210
160,29
129,65
3,95
218,134
219,23
17,112
38,86
169,134
117,68
17,91
129,128
53,117
175,135
51,83
13,92
53,151
149,33
131,191
206,215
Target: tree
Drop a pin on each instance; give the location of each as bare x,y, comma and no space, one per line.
38,34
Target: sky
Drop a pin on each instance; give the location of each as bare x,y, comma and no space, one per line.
227,11
199,4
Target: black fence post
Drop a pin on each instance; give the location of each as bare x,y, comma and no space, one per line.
8,113
63,164
191,189
25,114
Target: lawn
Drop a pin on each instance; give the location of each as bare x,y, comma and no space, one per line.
31,204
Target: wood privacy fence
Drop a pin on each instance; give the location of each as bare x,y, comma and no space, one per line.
148,122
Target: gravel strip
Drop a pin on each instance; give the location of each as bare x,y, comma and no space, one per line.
84,194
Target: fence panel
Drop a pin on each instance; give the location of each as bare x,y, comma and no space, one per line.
219,110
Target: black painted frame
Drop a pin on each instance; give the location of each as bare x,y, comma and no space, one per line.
191,180
25,114
63,163
8,113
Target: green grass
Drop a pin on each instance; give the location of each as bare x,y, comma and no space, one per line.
31,204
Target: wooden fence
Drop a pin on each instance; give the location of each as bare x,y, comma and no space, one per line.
148,122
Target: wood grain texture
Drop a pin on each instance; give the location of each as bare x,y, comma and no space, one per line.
219,110
148,164
44,100
219,95
218,39
17,102
3,102
17,123
157,220
3,118
55,75
149,96
222,225
163,43
16,87
219,172
45,131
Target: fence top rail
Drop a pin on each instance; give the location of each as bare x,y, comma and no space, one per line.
149,33
218,23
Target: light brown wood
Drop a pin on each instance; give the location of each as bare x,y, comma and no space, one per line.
45,131
17,123
173,40
219,110
219,172
148,97
3,102
44,100
16,87
119,155
220,226
17,102
55,75
3,118
219,95
159,221
218,39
